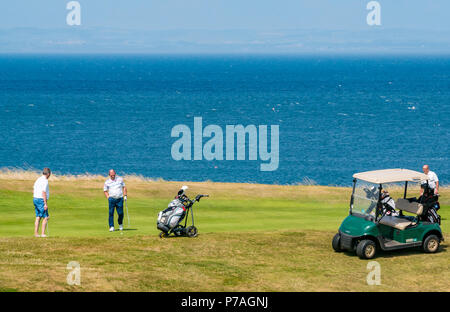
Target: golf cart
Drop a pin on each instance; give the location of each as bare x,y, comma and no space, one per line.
369,227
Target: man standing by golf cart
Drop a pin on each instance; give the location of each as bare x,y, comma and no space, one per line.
433,180
116,192
41,195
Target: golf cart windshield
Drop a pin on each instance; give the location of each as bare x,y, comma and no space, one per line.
364,198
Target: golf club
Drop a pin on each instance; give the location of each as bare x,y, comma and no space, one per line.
128,215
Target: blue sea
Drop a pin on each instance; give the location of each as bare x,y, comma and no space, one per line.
336,115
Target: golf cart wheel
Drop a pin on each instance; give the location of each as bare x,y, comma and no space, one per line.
336,243
163,235
431,244
191,231
366,249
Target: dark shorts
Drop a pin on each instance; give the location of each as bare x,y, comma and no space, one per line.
39,208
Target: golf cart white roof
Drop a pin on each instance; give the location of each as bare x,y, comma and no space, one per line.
391,176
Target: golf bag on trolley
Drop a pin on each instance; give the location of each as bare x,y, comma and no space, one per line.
172,216
169,220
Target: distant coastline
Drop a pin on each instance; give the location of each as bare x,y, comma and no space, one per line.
18,174
8,173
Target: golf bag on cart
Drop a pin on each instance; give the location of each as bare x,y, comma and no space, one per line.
388,204
430,205
169,220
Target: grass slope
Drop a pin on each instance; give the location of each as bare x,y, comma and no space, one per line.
252,238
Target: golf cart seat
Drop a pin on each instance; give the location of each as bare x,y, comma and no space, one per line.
406,205
395,222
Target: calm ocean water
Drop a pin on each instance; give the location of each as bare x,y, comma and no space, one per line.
337,115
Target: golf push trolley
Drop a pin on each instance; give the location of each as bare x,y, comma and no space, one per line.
170,219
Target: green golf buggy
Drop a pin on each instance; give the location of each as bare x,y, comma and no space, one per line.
371,226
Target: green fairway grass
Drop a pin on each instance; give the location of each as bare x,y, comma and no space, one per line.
251,238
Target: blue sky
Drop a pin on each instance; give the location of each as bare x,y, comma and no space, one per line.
420,21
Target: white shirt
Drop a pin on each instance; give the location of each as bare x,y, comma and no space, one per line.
41,185
432,179
114,187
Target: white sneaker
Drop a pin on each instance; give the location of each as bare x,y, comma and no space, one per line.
37,235
43,235
111,229
121,227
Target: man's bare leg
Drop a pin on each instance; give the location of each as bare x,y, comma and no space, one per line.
36,226
44,225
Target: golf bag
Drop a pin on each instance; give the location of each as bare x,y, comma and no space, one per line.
430,208
388,204
430,205
431,215
169,220
172,216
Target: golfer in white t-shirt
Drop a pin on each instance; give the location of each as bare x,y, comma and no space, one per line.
41,194
433,180
115,191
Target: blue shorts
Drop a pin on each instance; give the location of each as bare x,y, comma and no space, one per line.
39,208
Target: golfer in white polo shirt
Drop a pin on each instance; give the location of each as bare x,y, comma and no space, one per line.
115,191
41,195
433,180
